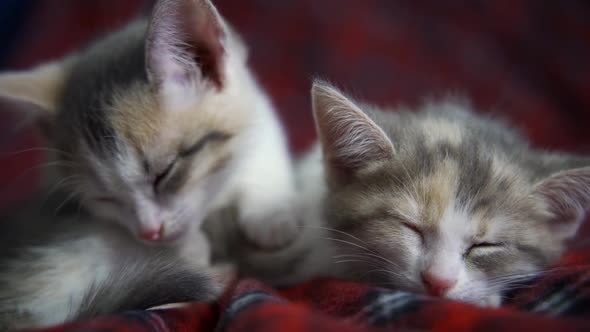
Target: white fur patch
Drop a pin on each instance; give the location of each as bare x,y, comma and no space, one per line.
437,130
446,258
60,293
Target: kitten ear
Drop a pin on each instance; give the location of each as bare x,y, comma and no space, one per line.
34,93
349,138
567,195
185,50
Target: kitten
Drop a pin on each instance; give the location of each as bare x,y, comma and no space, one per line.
439,201
60,268
160,124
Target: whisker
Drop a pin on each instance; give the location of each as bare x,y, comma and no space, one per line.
65,201
526,276
337,231
505,283
348,242
352,260
14,180
371,255
368,263
391,273
63,183
71,180
42,149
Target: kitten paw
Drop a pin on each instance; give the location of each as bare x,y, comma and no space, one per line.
270,231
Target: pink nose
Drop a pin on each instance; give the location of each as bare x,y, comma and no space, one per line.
435,285
152,234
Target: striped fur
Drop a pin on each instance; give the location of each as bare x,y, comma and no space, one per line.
460,199
400,197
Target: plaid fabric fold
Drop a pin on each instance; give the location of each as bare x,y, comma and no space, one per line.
558,300
525,60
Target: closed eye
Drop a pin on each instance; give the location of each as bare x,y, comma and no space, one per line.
484,246
195,148
414,229
192,150
161,176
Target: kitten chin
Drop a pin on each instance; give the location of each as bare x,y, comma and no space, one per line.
436,200
155,126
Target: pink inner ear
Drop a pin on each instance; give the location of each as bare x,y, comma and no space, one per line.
568,196
209,50
349,138
188,33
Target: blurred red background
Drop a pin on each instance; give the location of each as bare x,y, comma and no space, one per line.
526,60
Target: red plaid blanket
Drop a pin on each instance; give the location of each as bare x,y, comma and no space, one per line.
556,301
526,59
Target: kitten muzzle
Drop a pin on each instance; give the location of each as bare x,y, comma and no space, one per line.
437,286
152,235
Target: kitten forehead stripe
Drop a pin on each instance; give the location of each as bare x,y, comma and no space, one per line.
95,78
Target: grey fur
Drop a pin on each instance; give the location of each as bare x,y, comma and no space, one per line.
96,74
162,279
127,117
452,179
40,250
482,138
450,162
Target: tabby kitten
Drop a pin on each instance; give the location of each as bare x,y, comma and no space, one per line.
439,201
161,123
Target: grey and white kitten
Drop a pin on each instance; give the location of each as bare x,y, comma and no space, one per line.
437,200
65,267
160,124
